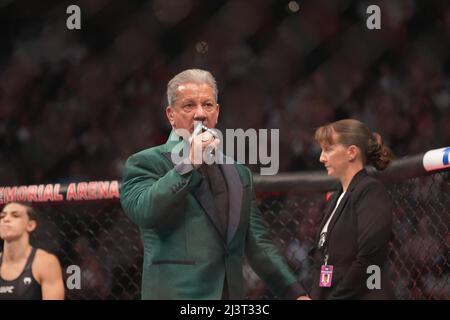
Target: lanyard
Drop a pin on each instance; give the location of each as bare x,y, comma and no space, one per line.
323,248
325,260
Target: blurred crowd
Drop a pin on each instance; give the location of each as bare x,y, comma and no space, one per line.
74,104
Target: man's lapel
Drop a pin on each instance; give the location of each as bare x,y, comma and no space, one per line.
235,193
203,194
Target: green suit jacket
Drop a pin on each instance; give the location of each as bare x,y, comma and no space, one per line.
185,254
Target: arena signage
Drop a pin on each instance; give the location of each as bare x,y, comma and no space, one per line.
79,191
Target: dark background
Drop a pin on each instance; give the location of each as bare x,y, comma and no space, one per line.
74,104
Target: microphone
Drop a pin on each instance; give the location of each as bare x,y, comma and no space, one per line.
206,129
200,128
212,151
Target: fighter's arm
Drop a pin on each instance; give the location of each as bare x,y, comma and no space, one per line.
48,273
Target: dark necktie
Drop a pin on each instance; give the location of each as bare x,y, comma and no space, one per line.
219,190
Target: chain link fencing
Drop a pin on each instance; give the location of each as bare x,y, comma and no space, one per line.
100,240
420,241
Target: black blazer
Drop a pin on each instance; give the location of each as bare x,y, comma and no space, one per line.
357,237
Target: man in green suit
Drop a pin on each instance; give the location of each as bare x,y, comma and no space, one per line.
198,221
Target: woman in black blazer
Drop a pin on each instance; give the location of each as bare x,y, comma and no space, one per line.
351,248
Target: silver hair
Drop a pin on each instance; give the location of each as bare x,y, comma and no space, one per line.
197,76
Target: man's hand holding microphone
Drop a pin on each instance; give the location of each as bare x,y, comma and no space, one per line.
204,142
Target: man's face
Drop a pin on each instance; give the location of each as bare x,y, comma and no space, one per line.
194,102
14,222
